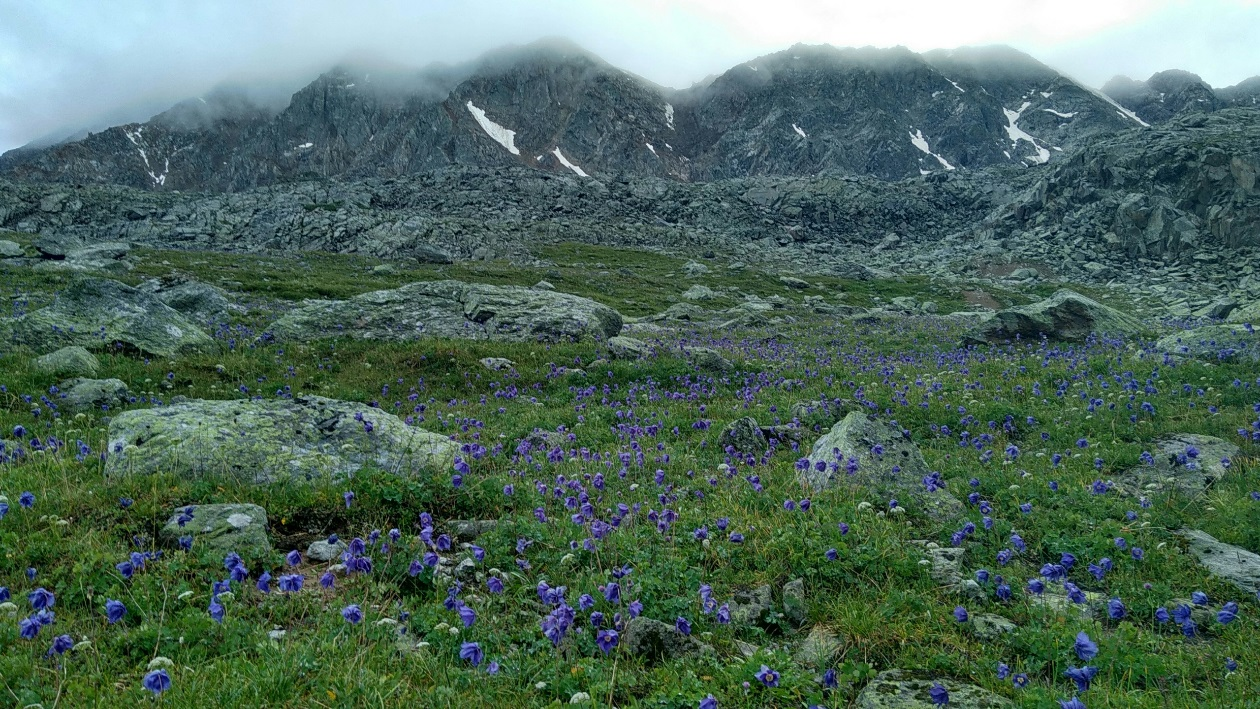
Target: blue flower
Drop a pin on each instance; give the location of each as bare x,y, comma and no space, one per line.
829,679
352,613
939,695
27,499
1115,610
291,583
467,615
494,584
1086,649
606,640
1199,598
682,625
471,653
348,496
1161,614
41,599
767,676
1003,670
1081,676
960,614
1072,703
29,628
61,644
157,681
293,558
216,611
709,702
1227,613
114,611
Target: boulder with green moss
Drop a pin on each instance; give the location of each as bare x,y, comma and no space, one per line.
302,439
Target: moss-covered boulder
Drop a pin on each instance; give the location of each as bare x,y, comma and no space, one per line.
1213,343
1066,316
260,441
73,361
898,689
240,528
885,462
452,309
98,311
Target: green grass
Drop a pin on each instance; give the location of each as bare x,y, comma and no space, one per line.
876,596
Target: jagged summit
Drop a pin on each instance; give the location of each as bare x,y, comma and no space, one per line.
552,105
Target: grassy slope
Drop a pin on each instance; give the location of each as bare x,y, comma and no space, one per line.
876,596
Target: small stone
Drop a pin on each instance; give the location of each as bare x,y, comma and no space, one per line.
654,640
819,648
322,551
745,436
239,528
497,364
794,601
987,626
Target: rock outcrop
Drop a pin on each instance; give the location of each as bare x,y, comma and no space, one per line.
261,441
97,312
885,462
1064,316
453,309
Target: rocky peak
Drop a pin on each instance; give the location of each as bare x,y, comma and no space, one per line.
1164,95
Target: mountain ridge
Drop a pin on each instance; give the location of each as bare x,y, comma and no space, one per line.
806,110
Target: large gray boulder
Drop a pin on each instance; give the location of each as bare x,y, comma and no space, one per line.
82,393
653,640
622,347
745,436
74,361
898,689
1213,343
200,301
453,309
1236,565
10,249
239,528
889,464
261,441
1249,313
1185,463
1065,316
98,311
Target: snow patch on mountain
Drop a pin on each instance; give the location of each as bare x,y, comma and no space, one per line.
669,115
565,161
799,131
502,136
1016,134
917,139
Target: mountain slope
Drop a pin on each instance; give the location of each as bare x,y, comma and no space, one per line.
808,110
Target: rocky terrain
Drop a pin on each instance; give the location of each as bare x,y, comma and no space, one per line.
551,106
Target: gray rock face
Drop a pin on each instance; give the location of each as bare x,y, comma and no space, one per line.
1064,316
622,347
239,528
946,564
819,648
653,640
97,311
990,627
199,301
698,292
1187,464
453,309
794,604
1249,313
878,448
497,364
752,607
898,689
1164,95
745,436
320,550
709,360
92,393
1236,565
72,361
260,441
1213,343
821,412
467,530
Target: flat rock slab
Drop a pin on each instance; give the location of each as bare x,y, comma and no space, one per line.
262,441
1065,316
1213,343
452,309
888,463
224,528
622,347
1186,463
897,689
1234,564
98,311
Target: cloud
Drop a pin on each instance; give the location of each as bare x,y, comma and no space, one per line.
67,64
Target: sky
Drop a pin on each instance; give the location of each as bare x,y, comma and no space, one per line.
66,65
